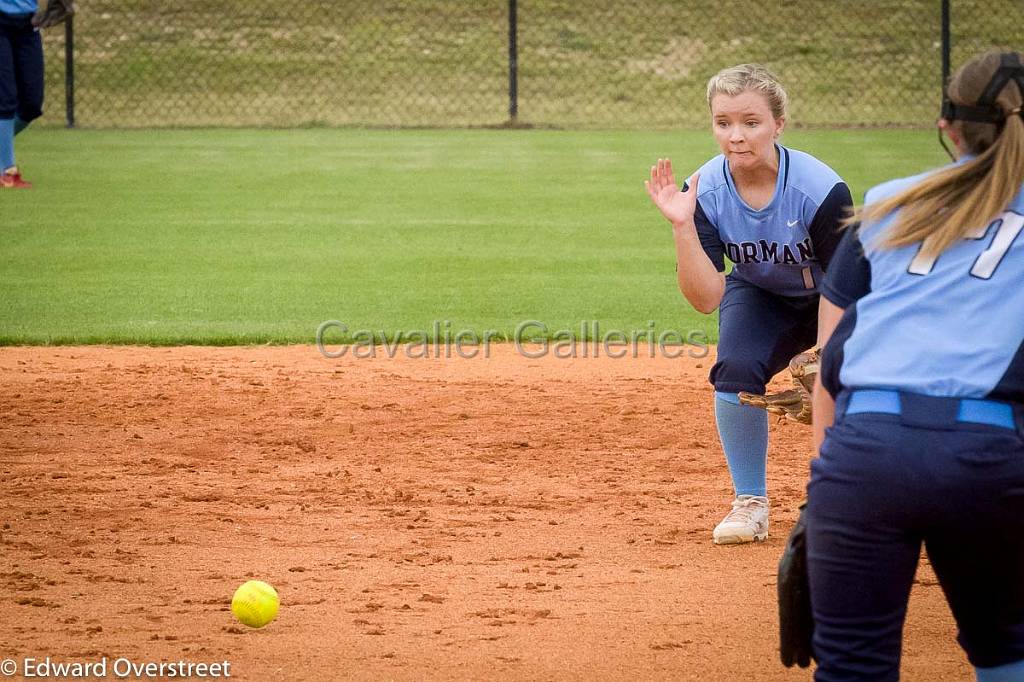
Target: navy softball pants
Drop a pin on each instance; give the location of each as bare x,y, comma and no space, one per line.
885,484
758,334
21,68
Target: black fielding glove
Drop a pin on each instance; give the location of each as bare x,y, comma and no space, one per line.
796,624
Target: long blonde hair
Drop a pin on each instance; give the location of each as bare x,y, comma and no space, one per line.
948,204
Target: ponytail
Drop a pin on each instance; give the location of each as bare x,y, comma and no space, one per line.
951,203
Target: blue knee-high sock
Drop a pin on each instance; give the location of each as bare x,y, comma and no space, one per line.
20,124
6,143
1012,672
744,433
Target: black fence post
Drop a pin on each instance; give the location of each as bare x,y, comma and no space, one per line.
69,70
513,65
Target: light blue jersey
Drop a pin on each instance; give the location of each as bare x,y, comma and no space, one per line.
949,326
18,6
784,247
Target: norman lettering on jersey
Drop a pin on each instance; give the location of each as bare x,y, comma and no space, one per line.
785,246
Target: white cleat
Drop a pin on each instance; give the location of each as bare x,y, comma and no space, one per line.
747,522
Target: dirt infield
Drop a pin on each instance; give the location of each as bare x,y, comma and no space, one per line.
501,518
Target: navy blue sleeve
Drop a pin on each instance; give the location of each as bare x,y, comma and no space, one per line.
826,228
709,239
833,354
849,276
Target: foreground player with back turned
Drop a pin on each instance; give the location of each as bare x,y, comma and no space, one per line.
776,214
924,310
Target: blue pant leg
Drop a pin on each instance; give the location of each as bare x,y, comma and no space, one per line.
862,550
759,332
8,82
8,99
976,544
27,49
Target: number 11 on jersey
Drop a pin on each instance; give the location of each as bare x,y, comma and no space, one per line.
1007,227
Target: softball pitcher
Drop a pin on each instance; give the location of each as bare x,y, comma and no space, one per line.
775,213
921,418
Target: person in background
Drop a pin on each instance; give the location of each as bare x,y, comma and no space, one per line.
21,74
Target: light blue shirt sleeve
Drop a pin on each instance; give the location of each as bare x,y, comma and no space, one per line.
18,6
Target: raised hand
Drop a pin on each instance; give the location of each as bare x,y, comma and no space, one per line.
676,206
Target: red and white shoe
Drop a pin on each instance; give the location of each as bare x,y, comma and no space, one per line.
11,179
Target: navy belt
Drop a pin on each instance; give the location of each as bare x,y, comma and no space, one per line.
932,411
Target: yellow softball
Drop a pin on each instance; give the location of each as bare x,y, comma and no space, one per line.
255,603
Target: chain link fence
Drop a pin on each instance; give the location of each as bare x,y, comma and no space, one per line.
446,63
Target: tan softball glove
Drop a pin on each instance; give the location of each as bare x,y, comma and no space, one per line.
794,404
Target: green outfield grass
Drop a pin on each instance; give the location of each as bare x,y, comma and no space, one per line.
240,236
